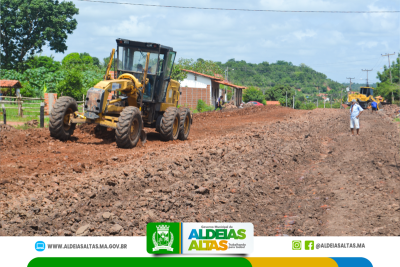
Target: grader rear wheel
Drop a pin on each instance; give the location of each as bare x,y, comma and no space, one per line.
185,123
169,126
129,128
60,126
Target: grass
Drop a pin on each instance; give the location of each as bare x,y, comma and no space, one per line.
397,119
29,114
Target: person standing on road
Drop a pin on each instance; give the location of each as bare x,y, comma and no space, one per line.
355,112
218,104
374,106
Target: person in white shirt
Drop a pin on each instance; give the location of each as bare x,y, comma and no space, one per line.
355,112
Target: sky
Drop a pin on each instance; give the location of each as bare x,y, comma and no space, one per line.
338,45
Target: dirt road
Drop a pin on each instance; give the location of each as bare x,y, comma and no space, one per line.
289,172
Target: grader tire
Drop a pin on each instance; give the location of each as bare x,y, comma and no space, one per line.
129,127
59,125
185,123
169,126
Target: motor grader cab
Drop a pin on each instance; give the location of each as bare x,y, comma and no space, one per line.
143,95
365,98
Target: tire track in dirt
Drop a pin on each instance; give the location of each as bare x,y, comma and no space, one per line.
279,168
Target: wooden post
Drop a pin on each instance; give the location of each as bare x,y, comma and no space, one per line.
41,114
83,104
20,112
4,114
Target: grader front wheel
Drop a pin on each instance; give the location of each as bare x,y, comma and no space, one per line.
60,125
185,123
169,126
129,128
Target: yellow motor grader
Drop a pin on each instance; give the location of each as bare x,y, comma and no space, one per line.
144,95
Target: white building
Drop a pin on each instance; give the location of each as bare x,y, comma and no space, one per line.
202,86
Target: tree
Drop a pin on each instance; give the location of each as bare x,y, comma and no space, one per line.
253,94
43,61
72,59
96,61
279,91
208,67
71,85
28,25
86,58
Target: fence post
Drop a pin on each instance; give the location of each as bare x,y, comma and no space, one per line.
83,104
20,114
41,114
4,114
293,101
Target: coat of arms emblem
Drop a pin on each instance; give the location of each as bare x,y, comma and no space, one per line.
163,238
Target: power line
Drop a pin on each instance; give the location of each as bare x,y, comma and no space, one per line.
240,9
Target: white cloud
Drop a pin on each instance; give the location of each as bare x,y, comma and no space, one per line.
367,44
128,27
300,35
250,36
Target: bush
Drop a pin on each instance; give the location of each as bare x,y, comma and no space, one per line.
297,104
308,106
202,106
253,94
264,102
71,85
72,59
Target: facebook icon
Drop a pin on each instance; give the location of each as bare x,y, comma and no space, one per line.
309,245
40,246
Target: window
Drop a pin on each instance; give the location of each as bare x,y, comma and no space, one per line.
135,61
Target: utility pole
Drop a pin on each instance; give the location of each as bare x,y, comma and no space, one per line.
341,99
350,82
367,75
390,71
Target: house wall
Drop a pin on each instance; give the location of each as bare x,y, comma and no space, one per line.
191,95
196,81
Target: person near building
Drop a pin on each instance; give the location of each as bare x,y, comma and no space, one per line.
355,112
218,103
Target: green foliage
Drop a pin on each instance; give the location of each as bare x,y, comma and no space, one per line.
394,68
297,104
26,26
86,58
96,61
202,106
264,102
278,93
177,73
71,85
308,106
267,75
208,67
253,94
43,61
385,88
71,60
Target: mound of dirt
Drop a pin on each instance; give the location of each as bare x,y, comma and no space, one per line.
391,111
32,123
6,128
249,104
289,172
